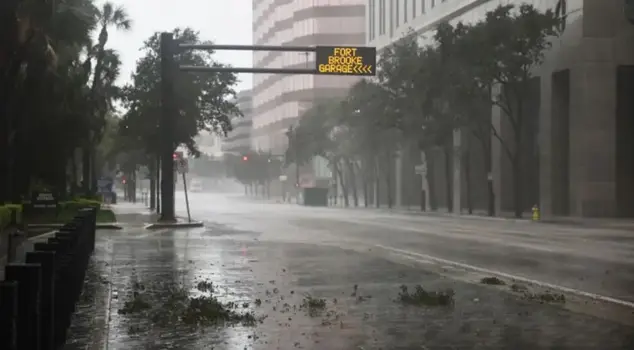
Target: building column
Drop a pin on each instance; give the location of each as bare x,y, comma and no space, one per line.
457,171
592,140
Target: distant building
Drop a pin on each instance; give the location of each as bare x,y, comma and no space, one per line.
239,140
579,135
279,99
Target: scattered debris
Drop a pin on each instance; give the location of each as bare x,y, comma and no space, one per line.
314,306
205,286
421,297
355,289
546,297
519,288
171,304
258,302
494,281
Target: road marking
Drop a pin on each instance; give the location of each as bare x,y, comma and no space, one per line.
513,277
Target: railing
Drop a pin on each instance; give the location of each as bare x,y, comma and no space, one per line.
37,298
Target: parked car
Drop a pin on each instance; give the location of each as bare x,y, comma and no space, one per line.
196,186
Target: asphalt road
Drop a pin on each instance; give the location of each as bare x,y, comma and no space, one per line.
267,258
588,260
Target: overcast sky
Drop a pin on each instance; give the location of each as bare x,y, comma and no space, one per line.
222,21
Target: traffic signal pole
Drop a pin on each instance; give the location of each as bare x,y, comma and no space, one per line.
335,61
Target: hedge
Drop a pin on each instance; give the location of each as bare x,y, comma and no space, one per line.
6,213
72,206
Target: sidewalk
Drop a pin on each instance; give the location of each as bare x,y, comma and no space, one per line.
616,224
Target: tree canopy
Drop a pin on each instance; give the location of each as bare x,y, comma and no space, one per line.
423,93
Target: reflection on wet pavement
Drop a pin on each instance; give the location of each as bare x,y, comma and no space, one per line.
272,280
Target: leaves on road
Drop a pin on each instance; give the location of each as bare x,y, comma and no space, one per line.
421,297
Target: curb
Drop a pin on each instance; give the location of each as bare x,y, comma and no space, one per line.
104,226
174,225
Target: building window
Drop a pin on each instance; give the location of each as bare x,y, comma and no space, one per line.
405,11
422,6
381,17
397,14
372,23
392,17
414,8
433,3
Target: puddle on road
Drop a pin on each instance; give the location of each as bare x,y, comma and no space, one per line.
203,293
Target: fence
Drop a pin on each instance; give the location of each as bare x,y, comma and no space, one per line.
37,298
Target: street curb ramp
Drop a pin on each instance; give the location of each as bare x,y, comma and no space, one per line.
174,225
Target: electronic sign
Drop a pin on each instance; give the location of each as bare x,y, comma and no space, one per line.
346,60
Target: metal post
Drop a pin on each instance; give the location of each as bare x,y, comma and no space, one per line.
189,217
168,67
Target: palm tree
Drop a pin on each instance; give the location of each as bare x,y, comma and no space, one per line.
40,42
109,16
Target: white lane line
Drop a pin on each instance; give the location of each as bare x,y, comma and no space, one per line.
511,276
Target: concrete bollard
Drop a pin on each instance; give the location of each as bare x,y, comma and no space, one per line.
47,296
28,277
8,315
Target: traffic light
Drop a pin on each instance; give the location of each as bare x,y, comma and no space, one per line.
245,158
175,156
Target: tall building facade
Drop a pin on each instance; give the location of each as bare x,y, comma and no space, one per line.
582,113
239,139
278,100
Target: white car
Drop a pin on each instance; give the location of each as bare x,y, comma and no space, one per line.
196,186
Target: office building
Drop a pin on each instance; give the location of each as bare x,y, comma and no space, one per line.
278,100
581,150
239,139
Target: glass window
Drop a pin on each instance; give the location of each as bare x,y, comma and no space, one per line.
392,17
397,13
414,8
405,10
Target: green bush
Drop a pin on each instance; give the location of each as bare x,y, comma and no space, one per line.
79,204
6,213
5,216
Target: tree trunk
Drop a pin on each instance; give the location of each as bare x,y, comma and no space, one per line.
158,184
344,188
377,182
86,169
431,180
448,177
365,179
518,203
388,180
353,182
152,171
466,160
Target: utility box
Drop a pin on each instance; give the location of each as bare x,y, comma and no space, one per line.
316,197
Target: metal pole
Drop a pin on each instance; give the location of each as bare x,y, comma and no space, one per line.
189,217
168,67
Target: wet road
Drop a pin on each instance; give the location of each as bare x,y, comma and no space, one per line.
267,259
599,261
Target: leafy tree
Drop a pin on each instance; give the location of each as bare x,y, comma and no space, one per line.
203,101
504,50
106,70
44,95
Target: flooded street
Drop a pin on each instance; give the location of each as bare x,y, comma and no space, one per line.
228,287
